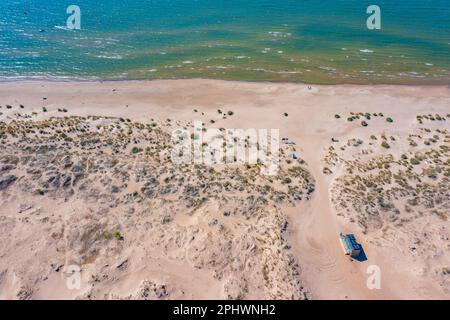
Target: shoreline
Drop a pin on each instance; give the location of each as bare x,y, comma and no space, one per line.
74,80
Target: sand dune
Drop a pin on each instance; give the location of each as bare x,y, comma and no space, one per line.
86,180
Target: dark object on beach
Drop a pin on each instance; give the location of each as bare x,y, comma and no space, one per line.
21,106
7,181
8,106
337,116
123,265
389,119
286,114
230,113
364,124
44,98
44,109
350,245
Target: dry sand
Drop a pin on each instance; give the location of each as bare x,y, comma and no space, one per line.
177,253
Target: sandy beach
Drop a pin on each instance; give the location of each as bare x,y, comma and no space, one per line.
373,160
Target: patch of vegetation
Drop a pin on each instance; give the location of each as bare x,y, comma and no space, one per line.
106,235
136,150
118,235
194,136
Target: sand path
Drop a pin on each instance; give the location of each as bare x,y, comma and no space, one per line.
328,273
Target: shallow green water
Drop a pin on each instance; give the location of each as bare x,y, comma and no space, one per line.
308,41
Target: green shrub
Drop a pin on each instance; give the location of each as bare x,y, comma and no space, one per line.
136,150
106,235
287,180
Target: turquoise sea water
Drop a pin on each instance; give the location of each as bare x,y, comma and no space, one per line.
324,41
